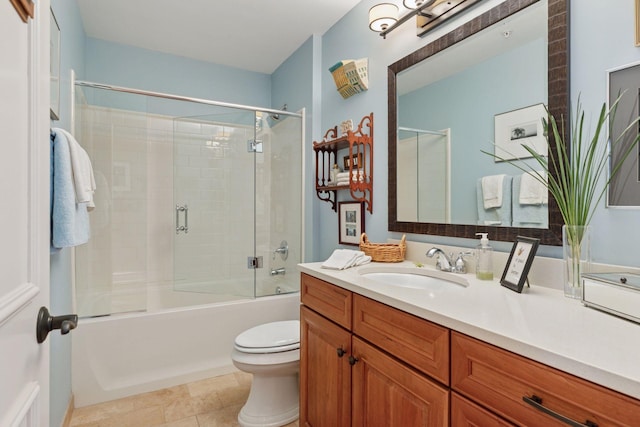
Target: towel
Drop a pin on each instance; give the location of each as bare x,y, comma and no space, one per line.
69,220
525,215
492,190
356,172
345,258
499,215
532,191
83,179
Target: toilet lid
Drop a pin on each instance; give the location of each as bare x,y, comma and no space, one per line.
270,337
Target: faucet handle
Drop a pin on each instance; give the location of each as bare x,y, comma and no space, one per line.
460,265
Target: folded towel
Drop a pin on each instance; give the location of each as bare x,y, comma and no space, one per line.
532,191
492,191
345,258
69,220
346,174
81,169
527,215
495,216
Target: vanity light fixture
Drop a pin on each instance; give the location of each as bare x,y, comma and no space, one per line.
383,17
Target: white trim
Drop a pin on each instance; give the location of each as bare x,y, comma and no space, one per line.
28,414
16,300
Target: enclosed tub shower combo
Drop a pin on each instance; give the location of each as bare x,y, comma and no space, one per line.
195,236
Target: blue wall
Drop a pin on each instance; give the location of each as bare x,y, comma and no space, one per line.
602,37
72,41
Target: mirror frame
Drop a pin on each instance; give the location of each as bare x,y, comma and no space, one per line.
557,102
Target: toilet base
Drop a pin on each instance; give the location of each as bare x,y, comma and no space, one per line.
264,408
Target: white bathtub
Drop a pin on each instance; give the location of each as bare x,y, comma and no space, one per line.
127,354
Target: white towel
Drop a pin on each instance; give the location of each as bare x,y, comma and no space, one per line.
492,191
532,191
346,174
345,258
83,179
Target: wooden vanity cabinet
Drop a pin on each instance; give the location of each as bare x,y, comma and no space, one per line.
365,363
524,392
349,380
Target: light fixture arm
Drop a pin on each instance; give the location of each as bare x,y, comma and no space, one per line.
406,17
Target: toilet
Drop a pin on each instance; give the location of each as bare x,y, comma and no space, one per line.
271,352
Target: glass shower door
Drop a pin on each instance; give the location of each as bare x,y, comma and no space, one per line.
214,204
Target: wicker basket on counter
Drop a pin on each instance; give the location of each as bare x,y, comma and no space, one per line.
383,252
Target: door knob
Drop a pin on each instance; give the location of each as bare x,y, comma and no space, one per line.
47,323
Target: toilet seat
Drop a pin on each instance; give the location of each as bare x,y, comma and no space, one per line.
274,337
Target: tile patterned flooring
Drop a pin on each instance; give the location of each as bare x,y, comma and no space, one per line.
212,402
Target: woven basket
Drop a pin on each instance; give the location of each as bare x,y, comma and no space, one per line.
383,252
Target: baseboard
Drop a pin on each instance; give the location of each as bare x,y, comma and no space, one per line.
67,417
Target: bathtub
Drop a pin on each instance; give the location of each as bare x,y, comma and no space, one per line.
127,354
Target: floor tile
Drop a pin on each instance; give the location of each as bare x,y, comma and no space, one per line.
212,402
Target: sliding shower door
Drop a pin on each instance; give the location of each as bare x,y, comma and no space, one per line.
214,204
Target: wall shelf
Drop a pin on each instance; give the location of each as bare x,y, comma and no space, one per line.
356,144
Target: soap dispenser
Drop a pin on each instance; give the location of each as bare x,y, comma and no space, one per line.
484,258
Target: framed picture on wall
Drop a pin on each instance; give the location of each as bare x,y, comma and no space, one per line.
350,222
637,14
518,128
354,161
624,187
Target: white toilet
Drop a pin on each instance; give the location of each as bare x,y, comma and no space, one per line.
271,352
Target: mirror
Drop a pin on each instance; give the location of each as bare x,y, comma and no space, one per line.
414,126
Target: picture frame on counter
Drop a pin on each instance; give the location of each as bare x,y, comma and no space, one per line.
519,263
350,222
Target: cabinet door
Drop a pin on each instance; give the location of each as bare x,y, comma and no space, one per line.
325,375
387,393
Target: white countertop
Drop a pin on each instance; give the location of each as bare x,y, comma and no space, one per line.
540,323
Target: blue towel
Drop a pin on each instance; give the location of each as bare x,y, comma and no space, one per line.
69,220
500,216
534,216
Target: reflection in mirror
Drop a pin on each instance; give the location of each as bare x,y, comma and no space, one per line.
424,178
500,69
494,64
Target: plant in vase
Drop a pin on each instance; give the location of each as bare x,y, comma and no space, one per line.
572,177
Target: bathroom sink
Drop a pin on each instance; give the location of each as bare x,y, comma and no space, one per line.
414,277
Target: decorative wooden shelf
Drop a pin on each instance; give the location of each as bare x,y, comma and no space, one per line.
360,146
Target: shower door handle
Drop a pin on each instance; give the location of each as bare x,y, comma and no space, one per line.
184,227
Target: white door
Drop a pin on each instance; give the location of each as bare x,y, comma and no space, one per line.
24,211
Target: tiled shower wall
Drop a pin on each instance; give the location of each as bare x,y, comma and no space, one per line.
129,264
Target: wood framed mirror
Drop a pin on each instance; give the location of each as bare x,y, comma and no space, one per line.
557,100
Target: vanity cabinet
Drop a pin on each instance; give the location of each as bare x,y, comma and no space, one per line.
360,370
360,163
528,393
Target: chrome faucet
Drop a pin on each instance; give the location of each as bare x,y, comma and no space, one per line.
443,262
446,263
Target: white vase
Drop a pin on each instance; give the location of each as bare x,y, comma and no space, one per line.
576,251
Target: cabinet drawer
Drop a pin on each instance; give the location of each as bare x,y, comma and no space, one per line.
465,413
416,341
331,301
500,381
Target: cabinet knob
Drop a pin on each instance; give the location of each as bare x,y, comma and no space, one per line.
353,360
341,352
